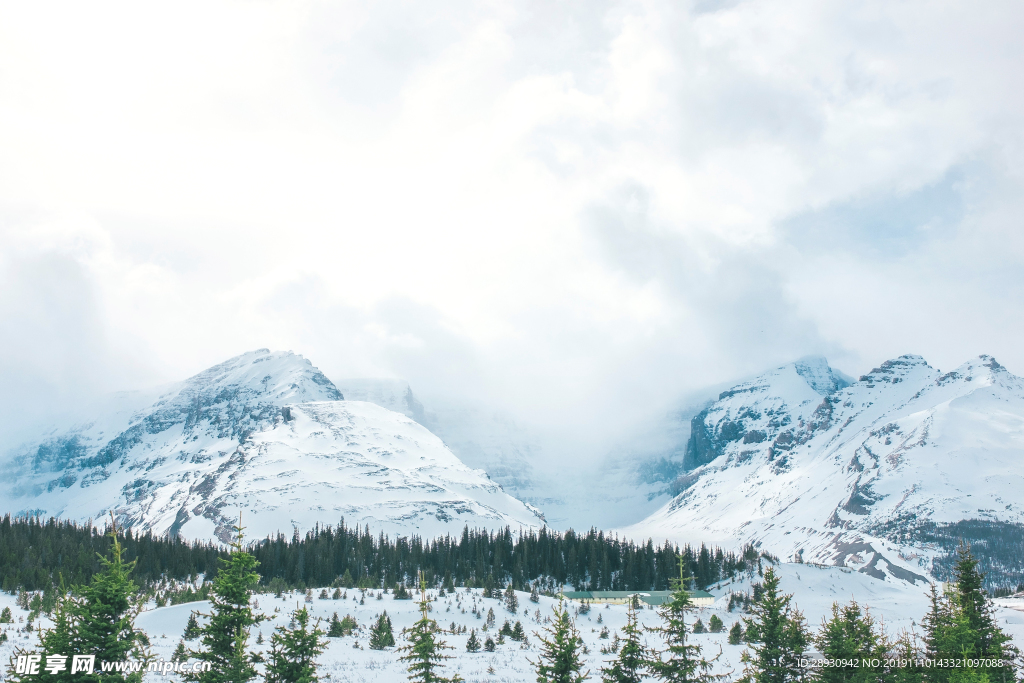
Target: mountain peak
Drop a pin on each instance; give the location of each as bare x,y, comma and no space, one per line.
819,375
280,376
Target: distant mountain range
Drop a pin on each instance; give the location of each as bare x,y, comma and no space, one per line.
880,474
265,434
885,473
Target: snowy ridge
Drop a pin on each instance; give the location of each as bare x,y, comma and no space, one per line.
265,434
849,478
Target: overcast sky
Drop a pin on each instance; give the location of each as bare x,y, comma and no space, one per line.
573,211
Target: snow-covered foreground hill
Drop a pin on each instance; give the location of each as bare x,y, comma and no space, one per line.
856,475
900,605
263,434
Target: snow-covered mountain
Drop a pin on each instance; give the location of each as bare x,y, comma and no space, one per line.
810,467
265,434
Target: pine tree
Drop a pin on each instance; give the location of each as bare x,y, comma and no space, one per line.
6,617
518,634
57,639
715,625
335,630
192,628
850,635
534,593
781,637
473,644
960,625
382,635
103,620
179,654
424,651
736,634
293,652
633,659
684,662
224,636
698,626
511,601
489,645
560,651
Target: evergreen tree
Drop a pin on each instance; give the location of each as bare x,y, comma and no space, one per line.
781,637
715,625
632,659
6,617
335,630
560,651
684,662
698,626
850,635
424,651
57,639
293,652
534,593
960,625
518,634
473,644
736,634
381,634
179,654
511,601
192,628
224,636
489,644
102,622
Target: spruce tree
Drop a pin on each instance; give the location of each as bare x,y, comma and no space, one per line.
781,637
103,620
223,638
511,601
179,654
381,634
850,635
960,625
715,625
473,644
632,659
6,617
335,630
293,652
191,628
561,651
534,593
736,634
680,661
52,641
424,651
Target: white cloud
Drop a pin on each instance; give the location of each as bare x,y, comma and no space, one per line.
579,210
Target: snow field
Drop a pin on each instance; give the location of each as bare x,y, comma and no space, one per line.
898,605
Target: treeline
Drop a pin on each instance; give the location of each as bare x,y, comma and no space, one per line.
37,554
591,561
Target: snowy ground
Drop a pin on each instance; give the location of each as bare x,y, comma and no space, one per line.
349,659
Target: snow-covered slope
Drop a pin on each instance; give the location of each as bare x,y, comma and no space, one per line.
265,434
852,475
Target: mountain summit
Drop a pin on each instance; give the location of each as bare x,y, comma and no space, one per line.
265,434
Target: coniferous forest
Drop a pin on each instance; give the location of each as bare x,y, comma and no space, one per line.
36,554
